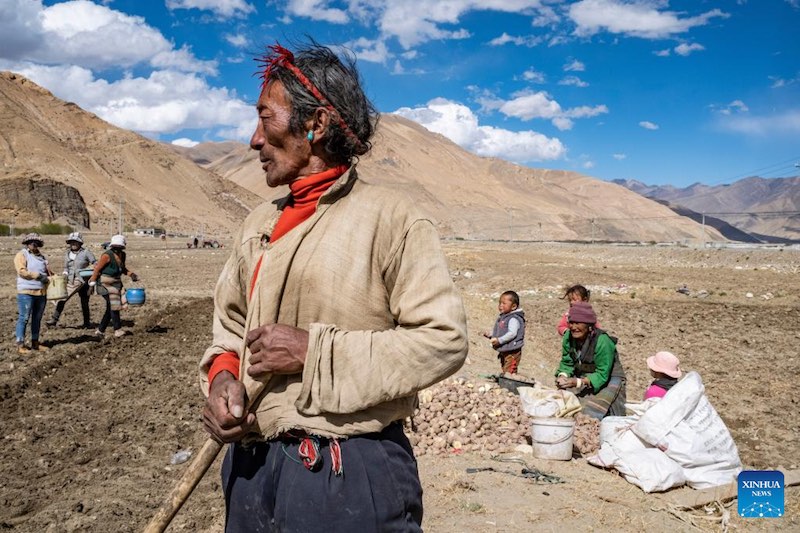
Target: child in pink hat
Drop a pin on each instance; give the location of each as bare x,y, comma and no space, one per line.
666,369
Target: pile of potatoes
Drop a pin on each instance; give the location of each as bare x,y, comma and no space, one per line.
458,415
587,434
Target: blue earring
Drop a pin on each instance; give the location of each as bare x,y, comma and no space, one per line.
310,136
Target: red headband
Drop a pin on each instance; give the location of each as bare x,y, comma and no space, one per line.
278,56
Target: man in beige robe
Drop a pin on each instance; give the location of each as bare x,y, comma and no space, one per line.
332,326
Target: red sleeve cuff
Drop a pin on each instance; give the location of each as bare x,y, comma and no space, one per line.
225,361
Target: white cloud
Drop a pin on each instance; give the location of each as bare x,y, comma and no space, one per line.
735,107
574,81
238,40
778,82
619,157
374,51
775,124
458,123
663,53
20,28
528,40
163,102
89,35
186,143
684,49
574,66
585,111
534,76
221,8
411,22
316,10
546,16
637,18
588,164
529,106
646,124
562,123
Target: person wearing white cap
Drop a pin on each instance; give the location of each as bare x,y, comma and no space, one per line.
109,270
33,275
76,258
666,369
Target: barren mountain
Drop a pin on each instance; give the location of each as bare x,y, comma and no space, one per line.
767,208
473,197
63,164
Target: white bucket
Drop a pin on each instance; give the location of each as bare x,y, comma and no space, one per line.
57,288
551,438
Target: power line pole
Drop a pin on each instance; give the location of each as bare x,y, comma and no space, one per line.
704,231
592,231
510,221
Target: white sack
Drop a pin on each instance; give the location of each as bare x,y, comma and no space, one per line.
612,427
686,427
647,468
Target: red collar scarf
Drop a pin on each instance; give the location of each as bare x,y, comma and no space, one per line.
306,192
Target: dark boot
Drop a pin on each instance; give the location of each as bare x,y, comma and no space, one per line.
38,347
53,320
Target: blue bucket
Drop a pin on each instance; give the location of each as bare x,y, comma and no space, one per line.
135,296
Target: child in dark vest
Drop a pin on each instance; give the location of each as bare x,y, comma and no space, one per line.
666,369
508,334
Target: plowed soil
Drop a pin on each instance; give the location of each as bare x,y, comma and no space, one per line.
90,426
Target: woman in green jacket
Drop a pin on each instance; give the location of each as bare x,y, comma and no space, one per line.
590,365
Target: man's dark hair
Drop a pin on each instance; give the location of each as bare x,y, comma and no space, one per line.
513,295
338,80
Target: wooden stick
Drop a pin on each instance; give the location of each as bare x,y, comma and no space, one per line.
197,469
184,488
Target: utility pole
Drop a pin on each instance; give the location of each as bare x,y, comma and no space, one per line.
510,221
592,231
704,231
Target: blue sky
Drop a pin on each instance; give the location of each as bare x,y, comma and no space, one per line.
665,92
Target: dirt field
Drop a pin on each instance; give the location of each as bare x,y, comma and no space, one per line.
89,427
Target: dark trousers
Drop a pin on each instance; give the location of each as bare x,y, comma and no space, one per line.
267,489
83,294
109,316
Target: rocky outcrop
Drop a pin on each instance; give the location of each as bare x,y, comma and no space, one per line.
29,199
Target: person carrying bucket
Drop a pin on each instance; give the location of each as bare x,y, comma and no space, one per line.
76,259
109,270
33,275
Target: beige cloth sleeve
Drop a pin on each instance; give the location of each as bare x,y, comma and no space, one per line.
230,314
350,371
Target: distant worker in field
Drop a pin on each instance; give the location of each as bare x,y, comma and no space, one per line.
666,369
107,282
33,275
590,365
575,293
335,307
77,259
508,333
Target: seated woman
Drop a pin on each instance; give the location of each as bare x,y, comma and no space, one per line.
666,369
590,365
